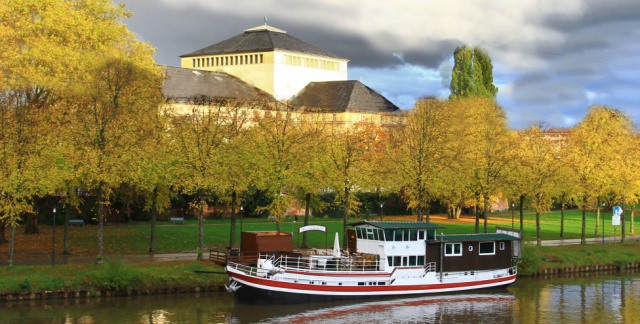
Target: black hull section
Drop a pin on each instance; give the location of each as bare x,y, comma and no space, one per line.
248,295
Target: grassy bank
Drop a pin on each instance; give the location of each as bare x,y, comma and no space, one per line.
114,276
571,258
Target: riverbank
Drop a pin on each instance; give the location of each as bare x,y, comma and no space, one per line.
114,277
538,260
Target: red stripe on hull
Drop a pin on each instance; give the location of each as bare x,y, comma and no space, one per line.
359,289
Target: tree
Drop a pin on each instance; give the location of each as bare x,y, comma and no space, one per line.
540,160
589,151
477,149
472,74
420,144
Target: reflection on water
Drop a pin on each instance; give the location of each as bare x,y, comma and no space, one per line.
572,299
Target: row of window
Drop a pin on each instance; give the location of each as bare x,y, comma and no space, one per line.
406,261
394,235
311,62
228,60
484,248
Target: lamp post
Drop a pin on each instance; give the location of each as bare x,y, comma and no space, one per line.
381,205
241,210
513,208
53,240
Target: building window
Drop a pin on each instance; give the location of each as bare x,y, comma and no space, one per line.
487,248
193,63
453,249
502,246
261,59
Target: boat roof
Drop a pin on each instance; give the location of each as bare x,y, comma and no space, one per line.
398,225
473,237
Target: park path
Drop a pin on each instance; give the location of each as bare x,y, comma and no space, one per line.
192,255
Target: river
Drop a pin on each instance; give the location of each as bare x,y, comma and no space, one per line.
585,298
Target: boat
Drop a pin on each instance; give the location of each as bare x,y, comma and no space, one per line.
384,259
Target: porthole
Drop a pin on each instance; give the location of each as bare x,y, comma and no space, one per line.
470,248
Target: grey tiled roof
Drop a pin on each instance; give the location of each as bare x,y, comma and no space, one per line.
342,96
183,84
261,40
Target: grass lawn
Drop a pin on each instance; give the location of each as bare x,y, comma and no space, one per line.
133,238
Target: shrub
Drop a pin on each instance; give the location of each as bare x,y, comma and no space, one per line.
116,275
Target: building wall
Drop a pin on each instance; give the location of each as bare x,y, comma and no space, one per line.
256,69
470,260
294,71
281,74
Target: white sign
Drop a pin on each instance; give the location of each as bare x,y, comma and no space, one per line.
615,220
312,228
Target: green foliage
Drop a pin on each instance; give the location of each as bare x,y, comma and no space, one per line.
531,261
116,275
472,74
25,284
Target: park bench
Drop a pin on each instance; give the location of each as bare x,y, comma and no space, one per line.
271,219
76,222
174,220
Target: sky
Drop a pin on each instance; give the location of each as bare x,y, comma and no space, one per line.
552,59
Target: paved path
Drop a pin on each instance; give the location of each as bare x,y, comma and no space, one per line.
91,259
183,256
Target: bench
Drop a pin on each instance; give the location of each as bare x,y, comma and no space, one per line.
76,222
174,220
271,219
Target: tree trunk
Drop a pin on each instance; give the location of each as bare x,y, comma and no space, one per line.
232,230
154,221
522,217
12,242
101,201
419,213
633,207
65,235
562,197
622,220
201,226
345,235
538,228
307,207
31,224
477,220
583,234
597,215
428,211
3,238
486,214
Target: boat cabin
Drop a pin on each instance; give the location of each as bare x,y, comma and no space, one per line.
415,244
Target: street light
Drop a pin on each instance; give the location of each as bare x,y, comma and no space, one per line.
381,205
241,209
53,240
513,207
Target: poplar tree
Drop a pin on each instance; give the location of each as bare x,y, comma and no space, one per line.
472,74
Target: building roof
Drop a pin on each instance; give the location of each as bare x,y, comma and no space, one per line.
474,237
342,96
262,39
182,85
399,225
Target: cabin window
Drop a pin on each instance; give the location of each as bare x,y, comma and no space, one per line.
501,246
359,232
420,235
431,235
388,234
397,261
398,235
453,249
412,261
380,235
413,235
487,248
421,260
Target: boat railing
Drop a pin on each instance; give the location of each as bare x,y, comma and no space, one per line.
322,264
430,267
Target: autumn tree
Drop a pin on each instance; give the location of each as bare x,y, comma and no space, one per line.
540,161
347,157
472,74
589,152
420,145
480,140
